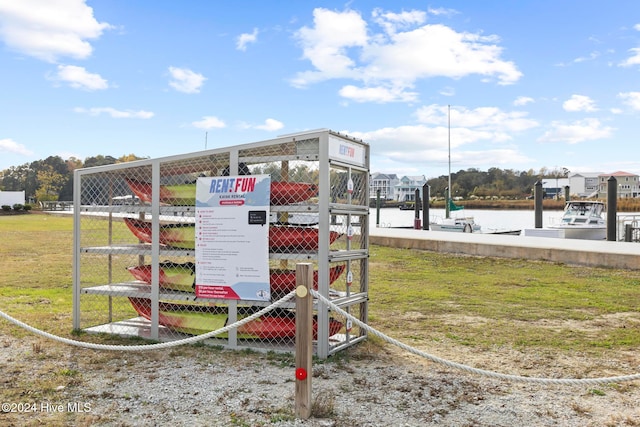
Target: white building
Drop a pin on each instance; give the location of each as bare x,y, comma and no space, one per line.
406,188
386,183
10,198
584,184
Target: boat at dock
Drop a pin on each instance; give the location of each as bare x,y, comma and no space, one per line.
583,219
458,223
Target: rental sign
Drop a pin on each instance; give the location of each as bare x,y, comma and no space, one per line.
232,237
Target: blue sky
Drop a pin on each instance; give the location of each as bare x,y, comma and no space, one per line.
530,84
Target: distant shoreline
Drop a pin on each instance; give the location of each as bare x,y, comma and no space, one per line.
623,205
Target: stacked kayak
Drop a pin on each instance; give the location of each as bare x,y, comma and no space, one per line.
177,235
181,276
182,235
199,319
173,276
282,192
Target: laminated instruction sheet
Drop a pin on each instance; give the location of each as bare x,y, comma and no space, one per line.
232,237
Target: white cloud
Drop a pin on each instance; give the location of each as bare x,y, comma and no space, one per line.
425,145
10,146
391,22
482,118
442,11
116,114
342,45
271,125
246,38
209,122
447,91
80,78
49,29
523,100
634,59
590,57
427,142
576,132
631,99
326,44
185,80
377,94
579,103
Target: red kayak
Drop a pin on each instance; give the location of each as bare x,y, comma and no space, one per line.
176,235
199,319
287,238
181,276
182,235
284,280
282,192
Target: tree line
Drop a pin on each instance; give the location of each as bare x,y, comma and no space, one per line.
496,182
51,179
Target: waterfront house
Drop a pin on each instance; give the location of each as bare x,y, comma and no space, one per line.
406,188
628,184
584,184
386,183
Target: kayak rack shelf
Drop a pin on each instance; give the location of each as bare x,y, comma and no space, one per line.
143,290
204,218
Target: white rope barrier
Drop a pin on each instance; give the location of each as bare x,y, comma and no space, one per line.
332,306
146,347
469,369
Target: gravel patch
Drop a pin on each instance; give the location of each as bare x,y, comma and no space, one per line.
368,385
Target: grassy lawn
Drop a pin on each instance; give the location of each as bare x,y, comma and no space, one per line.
415,296
487,302
36,258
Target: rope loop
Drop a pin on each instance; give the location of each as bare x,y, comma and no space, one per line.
469,369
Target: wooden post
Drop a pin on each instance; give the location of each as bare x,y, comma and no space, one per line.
416,209
377,208
304,339
537,203
612,209
426,195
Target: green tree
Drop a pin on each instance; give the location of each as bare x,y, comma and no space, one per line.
99,160
129,158
51,182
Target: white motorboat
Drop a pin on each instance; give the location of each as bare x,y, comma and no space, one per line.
583,220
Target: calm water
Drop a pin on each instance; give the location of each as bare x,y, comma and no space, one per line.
489,220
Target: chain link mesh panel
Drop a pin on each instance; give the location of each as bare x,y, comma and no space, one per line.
136,253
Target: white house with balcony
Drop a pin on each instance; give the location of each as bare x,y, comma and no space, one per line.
386,183
406,188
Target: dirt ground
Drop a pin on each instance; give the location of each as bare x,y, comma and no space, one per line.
373,384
